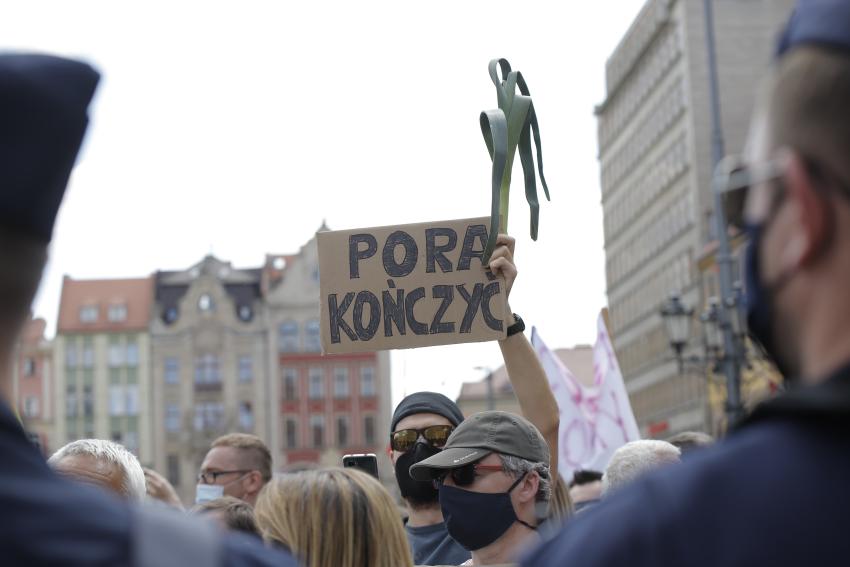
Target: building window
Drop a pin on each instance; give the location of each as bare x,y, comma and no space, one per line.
131,442
116,355
246,369
290,384
172,370
88,356
132,355
71,402
172,468
88,402
288,336
117,401
317,383
88,314
291,433
206,303
117,313
207,370
31,406
29,366
312,336
317,429
341,382
209,416
342,431
132,397
369,430
172,417
71,355
246,416
367,382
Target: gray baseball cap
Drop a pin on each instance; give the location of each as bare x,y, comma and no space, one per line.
481,434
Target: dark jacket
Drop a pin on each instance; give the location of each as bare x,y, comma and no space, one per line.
48,520
775,492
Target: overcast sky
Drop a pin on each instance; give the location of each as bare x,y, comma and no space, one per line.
236,128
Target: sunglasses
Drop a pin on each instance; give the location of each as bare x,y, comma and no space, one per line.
404,440
465,475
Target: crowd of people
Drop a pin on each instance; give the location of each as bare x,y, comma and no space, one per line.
483,489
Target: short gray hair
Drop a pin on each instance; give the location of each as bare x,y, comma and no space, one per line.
516,467
635,459
110,452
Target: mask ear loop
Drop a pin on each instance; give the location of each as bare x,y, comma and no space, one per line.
514,485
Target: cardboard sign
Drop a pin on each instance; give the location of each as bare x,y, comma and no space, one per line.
408,286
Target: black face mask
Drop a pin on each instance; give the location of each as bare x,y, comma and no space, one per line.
415,492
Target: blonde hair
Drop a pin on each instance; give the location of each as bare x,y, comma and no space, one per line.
560,505
333,518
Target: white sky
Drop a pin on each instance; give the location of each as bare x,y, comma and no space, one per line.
236,127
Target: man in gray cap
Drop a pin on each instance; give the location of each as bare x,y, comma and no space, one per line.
775,491
49,520
494,485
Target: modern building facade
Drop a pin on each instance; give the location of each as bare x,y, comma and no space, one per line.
655,140
32,383
329,405
101,363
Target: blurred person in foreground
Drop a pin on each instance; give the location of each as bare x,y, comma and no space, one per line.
43,116
101,463
237,465
585,489
333,518
635,459
494,485
229,514
775,491
422,422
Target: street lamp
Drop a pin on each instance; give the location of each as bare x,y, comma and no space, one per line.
677,320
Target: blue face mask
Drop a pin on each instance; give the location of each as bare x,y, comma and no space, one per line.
477,519
207,492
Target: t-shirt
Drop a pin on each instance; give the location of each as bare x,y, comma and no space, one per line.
432,545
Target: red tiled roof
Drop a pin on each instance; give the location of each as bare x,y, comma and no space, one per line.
135,293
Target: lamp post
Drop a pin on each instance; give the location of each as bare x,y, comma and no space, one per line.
677,321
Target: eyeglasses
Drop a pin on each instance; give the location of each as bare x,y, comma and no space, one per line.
465,475
211,476
404,440
734,179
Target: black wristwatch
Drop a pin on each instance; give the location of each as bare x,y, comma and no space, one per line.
517,327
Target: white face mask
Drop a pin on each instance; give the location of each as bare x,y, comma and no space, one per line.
207,492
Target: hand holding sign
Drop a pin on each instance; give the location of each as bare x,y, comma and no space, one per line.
502,261
411,286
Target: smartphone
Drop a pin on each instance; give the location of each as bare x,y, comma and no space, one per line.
366,462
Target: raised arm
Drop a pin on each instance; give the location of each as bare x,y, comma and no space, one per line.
525,372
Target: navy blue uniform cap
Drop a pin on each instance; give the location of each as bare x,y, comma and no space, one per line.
43,116
817,22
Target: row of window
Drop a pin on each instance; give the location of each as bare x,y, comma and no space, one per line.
652,15
647,296
118,355
665,51
318,438
316,382
115,313
650,183
661,231
79,405
645,135
289,337
209,416
208,369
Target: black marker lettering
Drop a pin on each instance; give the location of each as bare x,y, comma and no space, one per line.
336,314
434,253
411,251
394,313
367,332
417,327
446,293
491,290
472,303
467,252
355,254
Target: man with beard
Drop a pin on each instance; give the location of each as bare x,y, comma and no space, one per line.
423,421
775,491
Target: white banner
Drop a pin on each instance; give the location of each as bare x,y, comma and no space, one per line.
595,420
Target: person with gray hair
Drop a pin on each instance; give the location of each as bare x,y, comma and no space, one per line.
102,463
494,485
635,459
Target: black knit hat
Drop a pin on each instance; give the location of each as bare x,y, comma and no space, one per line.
427,402
43,116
